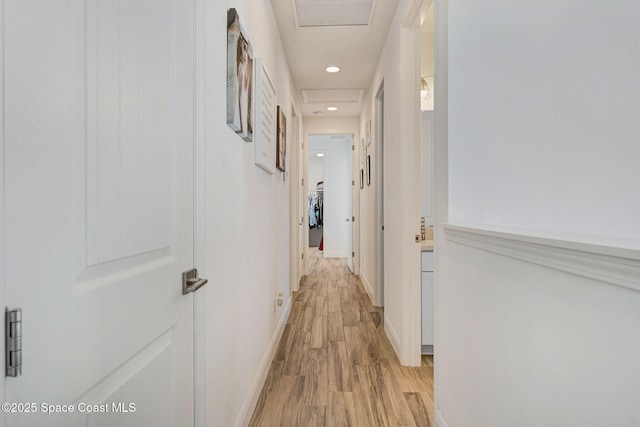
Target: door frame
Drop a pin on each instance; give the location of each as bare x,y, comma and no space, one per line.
199,241
2,212
295,206
354,135
379,196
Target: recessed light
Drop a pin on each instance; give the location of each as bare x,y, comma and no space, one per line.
332,69
332,108
320,154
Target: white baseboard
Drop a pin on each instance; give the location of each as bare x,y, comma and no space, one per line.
367,287
249,405
392,335
440,422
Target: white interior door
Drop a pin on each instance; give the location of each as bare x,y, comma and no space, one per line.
303,206
351,211
98,140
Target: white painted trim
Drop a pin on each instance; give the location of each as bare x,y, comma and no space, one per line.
440,186
378,133
249,405
3,420
614,261
294,193
392,335
440,421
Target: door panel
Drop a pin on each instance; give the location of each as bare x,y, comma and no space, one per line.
99,208
303,206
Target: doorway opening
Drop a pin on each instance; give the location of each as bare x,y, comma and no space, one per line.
329,195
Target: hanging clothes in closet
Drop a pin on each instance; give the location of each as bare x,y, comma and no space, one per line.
315,208
313,223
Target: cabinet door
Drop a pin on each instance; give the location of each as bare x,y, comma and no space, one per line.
427,308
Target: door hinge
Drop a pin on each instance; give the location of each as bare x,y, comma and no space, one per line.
353,219
353,148
302,255
353,182
302,181
353,254
13,342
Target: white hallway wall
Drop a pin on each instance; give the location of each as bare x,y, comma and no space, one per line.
399,59
243,244
518,343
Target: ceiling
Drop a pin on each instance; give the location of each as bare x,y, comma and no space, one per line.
333,34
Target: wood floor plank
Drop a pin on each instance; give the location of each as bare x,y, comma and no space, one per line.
335,327
316,378
348,315
341,411
395,404
356,351
372,343
419,406
321,306
296,312
319,332
373,397
312,416
297,357
306,321
284,347
339,368
266,404
333,302
289,404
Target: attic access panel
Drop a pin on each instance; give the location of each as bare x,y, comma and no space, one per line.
333,13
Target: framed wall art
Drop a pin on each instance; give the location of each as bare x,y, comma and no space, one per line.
368,134
239,78
368,170
265,124
361,179
281,140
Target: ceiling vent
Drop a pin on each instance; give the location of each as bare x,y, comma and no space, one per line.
333,13
332,95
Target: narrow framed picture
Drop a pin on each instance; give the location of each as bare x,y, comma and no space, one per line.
265,124
368,170
361,179
281,140
239,78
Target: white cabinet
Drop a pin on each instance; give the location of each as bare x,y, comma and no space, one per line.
427,302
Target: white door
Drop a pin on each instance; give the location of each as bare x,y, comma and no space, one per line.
337,197
98,140
303,205
349,202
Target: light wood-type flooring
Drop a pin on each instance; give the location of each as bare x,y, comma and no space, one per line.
335,366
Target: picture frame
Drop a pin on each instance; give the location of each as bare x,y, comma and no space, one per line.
265,124
361,179
368,134
239,78
281,140
368,170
